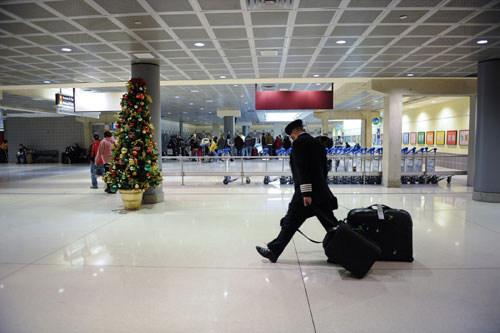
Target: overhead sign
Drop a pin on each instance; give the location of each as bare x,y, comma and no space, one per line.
65,101
294,100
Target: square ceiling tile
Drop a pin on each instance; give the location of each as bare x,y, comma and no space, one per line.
275,32
121,7
174,54
169,45
221,19
399,50
314,17
152,34
116,36
26,60
411,41
45,40
181,20
313,31
328,57
304,42
489,16
444,41
191,33
237,53
170,5
234,44
83,57
388,30
269,43
12,41
97,24
269,59
220,4
430,50
34,50
419,3
365,50
428,30
359,16
131,47
139,22
334,50
206,53
369,3
19,28
241,60
27,10
349,30
301,51
376,41
466,3
54,58
412,16
448,16
230,33
96,48
73,8
353,57
79,38
269,18
468,30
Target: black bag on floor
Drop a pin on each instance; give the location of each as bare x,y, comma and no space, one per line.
347,247
390,228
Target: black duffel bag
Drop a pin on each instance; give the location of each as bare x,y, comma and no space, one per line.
348,247
390,228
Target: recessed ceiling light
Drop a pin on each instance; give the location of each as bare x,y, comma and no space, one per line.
409,74
199,44
195,91
176,96
209,111
482,41
318,84
242,96
433,101
137,22
168,112
66,49
235,85
209,101
283,89
340,41
246,102
46,81
359,107
403,17
202,109
222,76
191,103
316,75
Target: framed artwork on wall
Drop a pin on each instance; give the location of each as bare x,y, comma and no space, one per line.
429,137
464,137
406,138
413,138
421,138
451,138
440,137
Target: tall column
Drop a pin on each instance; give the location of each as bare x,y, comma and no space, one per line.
150,72
472,140
277,130
487,159
245,129
392,124
215,129
181,127
324,126
229,125
367,140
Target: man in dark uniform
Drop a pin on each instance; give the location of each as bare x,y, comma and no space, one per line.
309,169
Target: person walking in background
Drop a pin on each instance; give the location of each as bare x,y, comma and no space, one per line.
104,154
309,170
21,154
220,144
92,152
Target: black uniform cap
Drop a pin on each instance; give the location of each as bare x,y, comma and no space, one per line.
293,125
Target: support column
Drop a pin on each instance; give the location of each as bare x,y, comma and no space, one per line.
277,130
181,127
150,72
367,140
487,160
245,129
472,140
324,127
392,124
229,126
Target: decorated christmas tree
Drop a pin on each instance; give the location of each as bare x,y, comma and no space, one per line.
135,157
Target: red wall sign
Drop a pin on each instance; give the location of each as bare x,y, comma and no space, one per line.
293,100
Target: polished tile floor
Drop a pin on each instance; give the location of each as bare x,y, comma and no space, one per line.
71,260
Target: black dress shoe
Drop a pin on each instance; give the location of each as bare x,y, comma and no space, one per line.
266,253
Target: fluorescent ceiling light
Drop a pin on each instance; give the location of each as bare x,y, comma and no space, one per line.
46,81
199,44
409,74
66,49
482,41
340,41
144,55
222,76
281,116
176,96
137,22
403,17
191,103
318,84
316,75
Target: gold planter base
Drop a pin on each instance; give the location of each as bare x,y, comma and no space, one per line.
132,199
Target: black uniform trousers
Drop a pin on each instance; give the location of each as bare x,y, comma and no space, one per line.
296,215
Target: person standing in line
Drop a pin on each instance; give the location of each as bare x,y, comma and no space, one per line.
21,154
92,152
287,143
309,169
249,144
238,145
104,154
269,143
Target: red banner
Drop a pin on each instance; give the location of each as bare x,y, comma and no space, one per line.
293,100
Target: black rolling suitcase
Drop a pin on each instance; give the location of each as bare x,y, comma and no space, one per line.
390,228
348,248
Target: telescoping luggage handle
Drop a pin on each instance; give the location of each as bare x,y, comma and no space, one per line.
323,215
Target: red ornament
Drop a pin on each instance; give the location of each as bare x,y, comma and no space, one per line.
134,153
147,174
131,136
125,97
135,161
131,124
130,103
139,110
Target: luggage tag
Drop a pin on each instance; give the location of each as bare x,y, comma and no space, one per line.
380,212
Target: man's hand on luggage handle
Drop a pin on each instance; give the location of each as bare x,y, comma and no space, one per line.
308,201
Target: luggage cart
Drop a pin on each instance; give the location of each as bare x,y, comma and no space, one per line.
225,157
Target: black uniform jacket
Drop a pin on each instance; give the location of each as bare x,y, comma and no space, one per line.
309,169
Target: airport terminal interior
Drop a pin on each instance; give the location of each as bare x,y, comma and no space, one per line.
402,94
